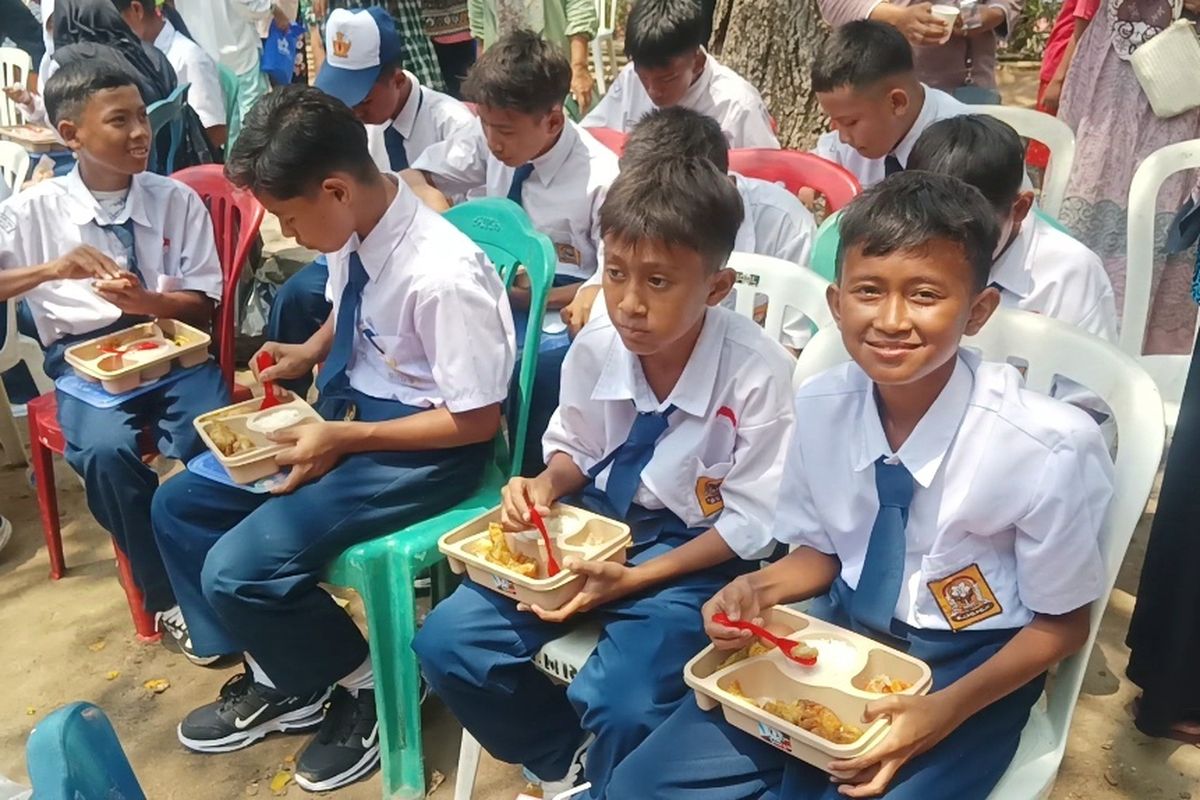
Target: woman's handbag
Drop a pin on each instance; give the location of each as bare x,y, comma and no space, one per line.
1168,67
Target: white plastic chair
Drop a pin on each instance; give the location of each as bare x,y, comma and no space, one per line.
1168,371
606,12
785,285
17,348
1047,347
15,67
1050,131
14,166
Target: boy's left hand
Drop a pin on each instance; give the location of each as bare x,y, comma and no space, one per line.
918,723
127,293
315,448
605,581
582,84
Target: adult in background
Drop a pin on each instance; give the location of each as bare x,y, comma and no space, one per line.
448,25
418,55
18,23
1115,129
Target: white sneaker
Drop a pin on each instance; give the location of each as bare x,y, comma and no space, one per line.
6,530
574,776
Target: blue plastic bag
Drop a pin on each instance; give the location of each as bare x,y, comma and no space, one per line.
279,53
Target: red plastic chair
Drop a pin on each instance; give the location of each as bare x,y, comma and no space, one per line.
612,139
236,218
797,170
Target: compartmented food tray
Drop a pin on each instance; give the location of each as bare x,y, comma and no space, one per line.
237,434
812,713
34,138
514,564
124,360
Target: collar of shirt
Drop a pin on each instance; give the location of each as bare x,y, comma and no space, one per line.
376,250
700,88
924,119
547,165
83,207
922,453
407,117
165,37
621,377
746,239
1011,270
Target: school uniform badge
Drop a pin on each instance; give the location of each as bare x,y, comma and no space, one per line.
708,494
965,598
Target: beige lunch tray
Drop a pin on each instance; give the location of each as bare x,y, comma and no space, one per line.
246,419
122,372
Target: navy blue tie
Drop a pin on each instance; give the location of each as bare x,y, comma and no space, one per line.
891,165
632,456
874,602
520,175
333,375
124,233
397,155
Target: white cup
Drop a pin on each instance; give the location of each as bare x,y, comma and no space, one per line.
948,15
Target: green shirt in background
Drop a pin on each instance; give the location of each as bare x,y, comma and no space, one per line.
561,19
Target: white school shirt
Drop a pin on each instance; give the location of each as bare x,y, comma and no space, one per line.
718,92
435,307
428,117
226,29
720,461
562,197
196,67
173,234
1010,491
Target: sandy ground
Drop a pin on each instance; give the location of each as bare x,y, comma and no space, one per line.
72,640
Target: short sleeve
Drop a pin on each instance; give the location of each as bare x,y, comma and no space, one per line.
609,112
827,147
581,18
796,522
12,251
457,165
1059,566
754,129
577,426
199,267
205,95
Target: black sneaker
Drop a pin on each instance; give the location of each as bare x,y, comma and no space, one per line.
175,637
346,748
246,712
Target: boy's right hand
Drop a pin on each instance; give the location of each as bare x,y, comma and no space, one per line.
919,25
739,602
291,361
516,498
85,262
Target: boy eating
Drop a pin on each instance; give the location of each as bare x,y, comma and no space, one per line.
672,417
416,359
918,472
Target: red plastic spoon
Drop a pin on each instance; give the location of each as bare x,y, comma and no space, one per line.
263,361
786,645
129,348
540,524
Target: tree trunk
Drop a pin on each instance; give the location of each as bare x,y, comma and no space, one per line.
772,44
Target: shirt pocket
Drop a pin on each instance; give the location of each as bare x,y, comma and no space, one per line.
960,587
400,358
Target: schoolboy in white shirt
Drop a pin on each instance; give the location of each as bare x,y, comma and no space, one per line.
934,504
417,356
664,42
101,249
672,418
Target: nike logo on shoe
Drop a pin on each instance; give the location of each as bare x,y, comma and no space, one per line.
369,741
242,724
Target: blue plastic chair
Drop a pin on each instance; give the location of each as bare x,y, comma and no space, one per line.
164,113
74,754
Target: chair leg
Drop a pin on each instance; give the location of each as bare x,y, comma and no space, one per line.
468,766
43,476
10,434
143,621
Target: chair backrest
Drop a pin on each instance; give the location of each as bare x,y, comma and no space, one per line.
1168,371
1048,348
236,217
167,113
1050,131
606,14
503,231
796,171
15,68
74,753
785,285
612,139
14,165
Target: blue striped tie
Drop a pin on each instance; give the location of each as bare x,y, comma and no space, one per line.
520,175
874,602
333,375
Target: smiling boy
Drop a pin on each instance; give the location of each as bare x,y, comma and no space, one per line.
916,469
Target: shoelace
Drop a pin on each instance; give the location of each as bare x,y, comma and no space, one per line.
235,690
342,720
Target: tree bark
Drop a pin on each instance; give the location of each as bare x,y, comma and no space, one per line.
772,44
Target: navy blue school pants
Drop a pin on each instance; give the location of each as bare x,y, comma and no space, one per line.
476,651
246,566
696,755
298,311
102,446
18,381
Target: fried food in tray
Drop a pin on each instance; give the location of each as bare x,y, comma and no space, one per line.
495,549
227,441
885,684
807,715
755,648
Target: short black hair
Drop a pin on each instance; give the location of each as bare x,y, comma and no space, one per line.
295,137
683,202
978,149
859,54
660,30
677,131
522,72
124,4
912,208
72,85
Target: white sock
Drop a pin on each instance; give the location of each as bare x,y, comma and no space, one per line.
257,673
361,678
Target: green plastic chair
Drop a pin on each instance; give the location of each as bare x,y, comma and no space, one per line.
167,112
382,570
232,91
825,246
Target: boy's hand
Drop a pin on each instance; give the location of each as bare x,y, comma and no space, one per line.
739,601
19,95
582,84
515,499
605,582
918,723
126,292
291,361
315,448
576,313
84,262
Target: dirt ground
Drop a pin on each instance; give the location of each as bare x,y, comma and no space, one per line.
72,640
